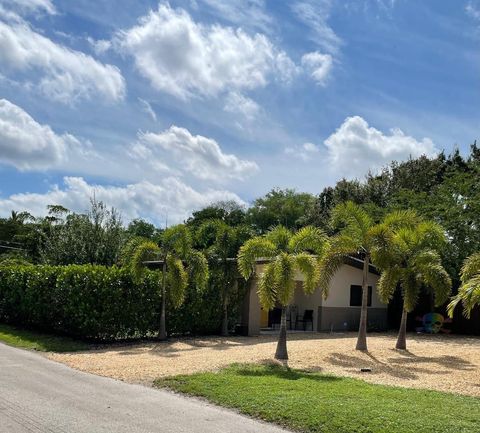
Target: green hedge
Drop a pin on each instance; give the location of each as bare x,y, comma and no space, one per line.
99,303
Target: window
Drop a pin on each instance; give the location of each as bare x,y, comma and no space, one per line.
356,296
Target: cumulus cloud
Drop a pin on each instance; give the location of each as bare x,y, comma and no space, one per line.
64,75
138,200
194,154
318,65
305,152
315,14
185,58
355,147
26,144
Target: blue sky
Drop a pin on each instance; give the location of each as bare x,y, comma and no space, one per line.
161,108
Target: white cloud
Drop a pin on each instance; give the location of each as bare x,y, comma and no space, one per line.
65,75
305,152
240,104
473,10
318,66
26,144
245,14
29,6
144,199
99,46
315,14
194,154
355,147
147,108
185,58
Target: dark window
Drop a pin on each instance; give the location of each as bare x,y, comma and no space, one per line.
356,296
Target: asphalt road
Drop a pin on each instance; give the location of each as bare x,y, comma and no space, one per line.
39,395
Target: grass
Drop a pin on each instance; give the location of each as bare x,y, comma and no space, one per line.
37,341
314,402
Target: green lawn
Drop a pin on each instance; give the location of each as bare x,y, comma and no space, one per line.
314,402
37,341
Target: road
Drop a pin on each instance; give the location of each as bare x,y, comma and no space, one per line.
39,395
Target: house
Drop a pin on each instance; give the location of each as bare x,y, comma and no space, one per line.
339,312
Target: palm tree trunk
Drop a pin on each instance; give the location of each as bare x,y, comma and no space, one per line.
225,318
281,352
162,334
362,330
402,333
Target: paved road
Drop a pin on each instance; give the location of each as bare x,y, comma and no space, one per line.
38,395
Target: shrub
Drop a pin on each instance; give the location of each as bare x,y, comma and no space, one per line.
99,303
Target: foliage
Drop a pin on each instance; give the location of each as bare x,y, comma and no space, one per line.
230,212
280,207
139,228
314,402
84,301
469,291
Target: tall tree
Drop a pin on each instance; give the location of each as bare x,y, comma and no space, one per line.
469,290
174,252
222,243
354,238
286,253
408,255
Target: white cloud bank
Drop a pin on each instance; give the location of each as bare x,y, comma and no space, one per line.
138,200
355,147
186,59
199,156
65,75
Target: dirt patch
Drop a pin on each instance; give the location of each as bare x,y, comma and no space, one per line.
445,363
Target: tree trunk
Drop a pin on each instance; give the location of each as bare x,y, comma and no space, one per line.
362,330
162,334
225,318
281,352
402,333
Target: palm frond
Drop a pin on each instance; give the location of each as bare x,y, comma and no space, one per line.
251,251
177,239
280,236
267,287
469,291
388,282
128,249
410,290
401,218
308,266
198,269
470,268
309,239
352,217
284,268
177,281
146,251
330,263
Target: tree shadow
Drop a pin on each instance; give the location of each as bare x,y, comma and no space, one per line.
272,369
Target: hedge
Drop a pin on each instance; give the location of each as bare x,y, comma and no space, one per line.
98,303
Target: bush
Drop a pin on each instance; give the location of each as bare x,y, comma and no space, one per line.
84,301
100,303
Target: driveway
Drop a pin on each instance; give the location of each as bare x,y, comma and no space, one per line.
39,395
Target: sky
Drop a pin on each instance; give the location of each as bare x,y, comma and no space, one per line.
161,108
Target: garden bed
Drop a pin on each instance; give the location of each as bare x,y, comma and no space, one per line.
441,362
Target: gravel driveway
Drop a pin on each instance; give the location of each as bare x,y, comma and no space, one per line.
442,362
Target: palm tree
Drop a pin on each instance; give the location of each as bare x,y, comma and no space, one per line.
469,290
286,253
408,257
354,238
175,250
222,243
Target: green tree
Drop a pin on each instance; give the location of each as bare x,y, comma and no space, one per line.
286,253
141,228
174,252
469,290
229,211
408,256
280,207
222,243
354,238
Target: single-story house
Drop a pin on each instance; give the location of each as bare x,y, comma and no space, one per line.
339,312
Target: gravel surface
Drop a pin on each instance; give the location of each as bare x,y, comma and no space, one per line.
442,362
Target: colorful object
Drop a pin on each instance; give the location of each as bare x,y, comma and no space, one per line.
433,323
